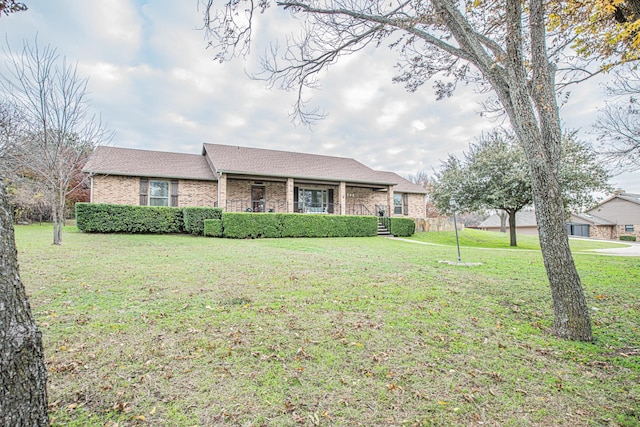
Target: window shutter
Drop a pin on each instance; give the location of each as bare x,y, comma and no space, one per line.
174,193
295,200
144,191
405,204
330,196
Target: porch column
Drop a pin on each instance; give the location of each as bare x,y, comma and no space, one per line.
342,197
289,196
390,200
222,191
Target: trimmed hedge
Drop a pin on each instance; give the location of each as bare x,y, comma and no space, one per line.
244,225
194,218
213,227
107,218
103,218
402,227
241,225
628,238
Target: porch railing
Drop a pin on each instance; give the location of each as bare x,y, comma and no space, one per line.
358,209
321,208
245,205
382,210
280,206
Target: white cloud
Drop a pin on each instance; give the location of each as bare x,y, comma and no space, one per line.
159,88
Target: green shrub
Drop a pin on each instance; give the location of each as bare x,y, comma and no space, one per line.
402,227
213,228
360,226
105,218
242,225
194,218
628,238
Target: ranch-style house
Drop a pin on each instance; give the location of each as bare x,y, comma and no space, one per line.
243,179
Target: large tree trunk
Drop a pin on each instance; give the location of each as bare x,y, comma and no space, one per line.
534,115
23,375
571,314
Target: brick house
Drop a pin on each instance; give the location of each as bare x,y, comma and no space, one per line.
243,179
618,215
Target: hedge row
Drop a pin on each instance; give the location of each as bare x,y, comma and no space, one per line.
194,218
253,225
105,218
402,227
628,238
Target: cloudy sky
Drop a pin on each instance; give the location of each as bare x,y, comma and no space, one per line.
156,85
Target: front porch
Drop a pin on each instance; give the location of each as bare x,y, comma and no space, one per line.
280,206
241,194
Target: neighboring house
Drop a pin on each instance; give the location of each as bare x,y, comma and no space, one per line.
586,225
243,179
618,215
525,223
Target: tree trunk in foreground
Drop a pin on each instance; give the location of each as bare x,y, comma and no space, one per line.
23,375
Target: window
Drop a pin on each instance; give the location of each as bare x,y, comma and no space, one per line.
159,193
628,228
312,201
397,204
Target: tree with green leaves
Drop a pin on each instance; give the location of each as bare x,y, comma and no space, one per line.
494,174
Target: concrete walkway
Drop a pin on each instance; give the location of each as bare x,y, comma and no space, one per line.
633,248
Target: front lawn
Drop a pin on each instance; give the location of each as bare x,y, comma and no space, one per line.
176,330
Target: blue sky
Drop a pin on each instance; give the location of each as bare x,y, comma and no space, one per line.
156,85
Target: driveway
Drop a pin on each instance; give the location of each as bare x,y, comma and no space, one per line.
632,250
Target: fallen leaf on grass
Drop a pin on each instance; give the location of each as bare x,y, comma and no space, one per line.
442,402
153,411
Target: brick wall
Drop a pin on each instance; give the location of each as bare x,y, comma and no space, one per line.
118,190
366,197
417,206
606,232
621,231
125,190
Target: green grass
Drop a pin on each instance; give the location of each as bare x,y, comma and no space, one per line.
486,239
184,331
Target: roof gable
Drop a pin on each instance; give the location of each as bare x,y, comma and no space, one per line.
404,185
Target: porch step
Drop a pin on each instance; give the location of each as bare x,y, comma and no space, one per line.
382,230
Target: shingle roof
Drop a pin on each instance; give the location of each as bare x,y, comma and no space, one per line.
403,185
630,197
523,219
589,219
233,159
153,164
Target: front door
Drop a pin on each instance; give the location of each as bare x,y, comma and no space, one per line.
257,198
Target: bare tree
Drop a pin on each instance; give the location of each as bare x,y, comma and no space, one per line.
500,45
618,125
60,132
23,375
